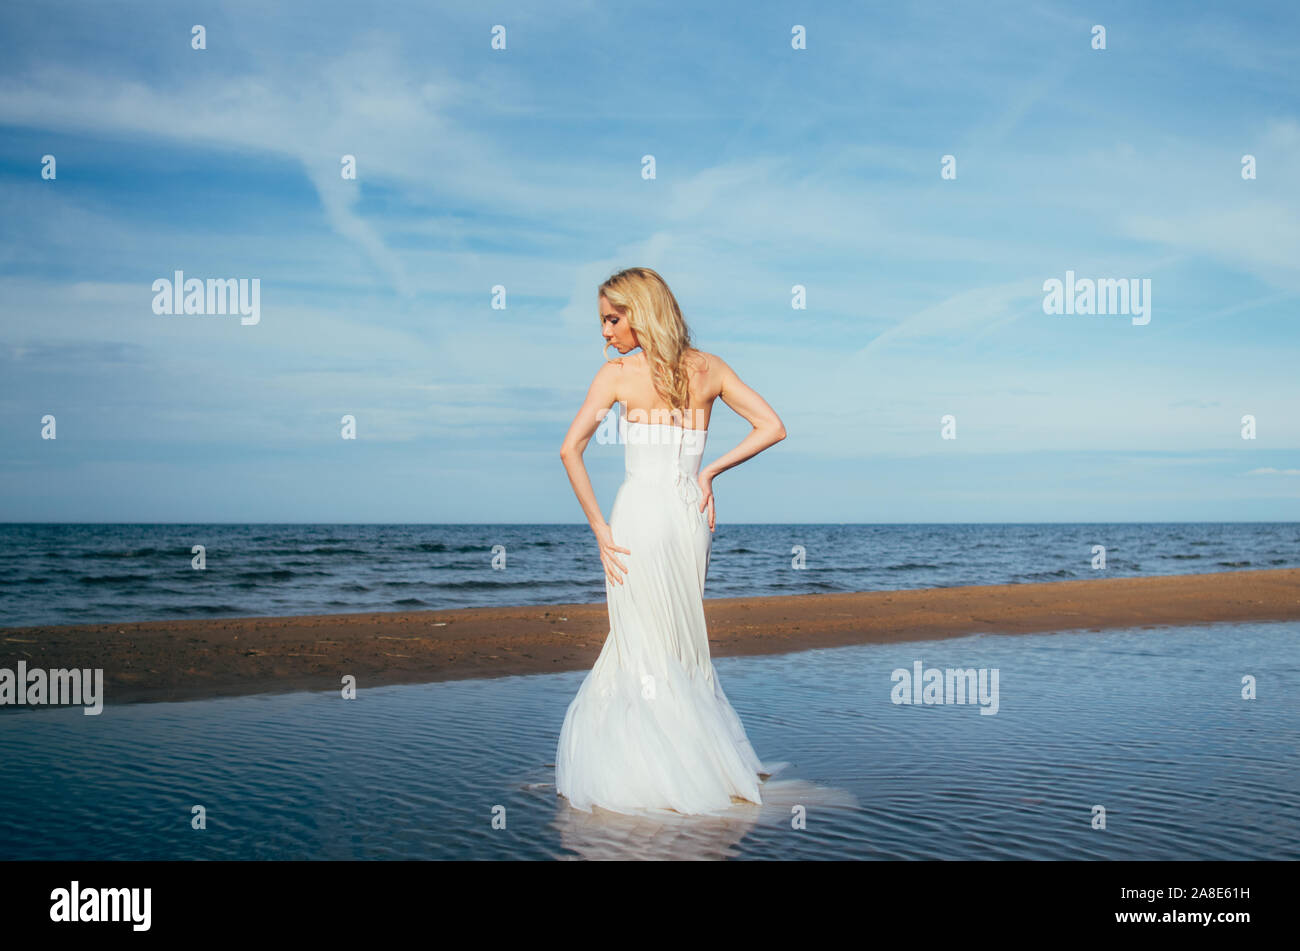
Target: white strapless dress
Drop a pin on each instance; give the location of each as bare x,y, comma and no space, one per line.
650,727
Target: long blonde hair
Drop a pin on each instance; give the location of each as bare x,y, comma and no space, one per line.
651,310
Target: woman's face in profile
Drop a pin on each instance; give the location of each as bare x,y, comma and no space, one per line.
616,329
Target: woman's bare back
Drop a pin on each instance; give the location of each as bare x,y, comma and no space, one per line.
635,390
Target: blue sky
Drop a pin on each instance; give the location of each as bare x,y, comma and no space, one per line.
775,167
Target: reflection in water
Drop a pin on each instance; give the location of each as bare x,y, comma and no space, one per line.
666,835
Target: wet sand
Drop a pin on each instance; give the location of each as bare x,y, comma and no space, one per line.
192,659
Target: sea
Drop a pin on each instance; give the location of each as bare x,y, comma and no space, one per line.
101,573
1150,743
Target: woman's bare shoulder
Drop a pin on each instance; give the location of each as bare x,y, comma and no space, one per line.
709,363
614,364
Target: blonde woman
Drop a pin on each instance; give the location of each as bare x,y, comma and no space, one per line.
650,727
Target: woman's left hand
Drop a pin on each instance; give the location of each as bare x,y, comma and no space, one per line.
706,487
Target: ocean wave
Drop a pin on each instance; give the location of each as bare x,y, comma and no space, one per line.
279,574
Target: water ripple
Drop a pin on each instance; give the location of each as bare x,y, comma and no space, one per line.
1152,730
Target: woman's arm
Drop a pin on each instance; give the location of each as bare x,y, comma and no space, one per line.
600,397
768,428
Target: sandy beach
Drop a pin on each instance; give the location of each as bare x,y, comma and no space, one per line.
192,659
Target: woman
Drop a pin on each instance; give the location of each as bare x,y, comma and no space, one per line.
650,727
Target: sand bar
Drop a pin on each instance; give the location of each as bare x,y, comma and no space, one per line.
191,659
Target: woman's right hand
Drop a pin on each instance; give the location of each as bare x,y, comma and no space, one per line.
608,550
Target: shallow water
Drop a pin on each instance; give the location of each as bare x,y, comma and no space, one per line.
1148,723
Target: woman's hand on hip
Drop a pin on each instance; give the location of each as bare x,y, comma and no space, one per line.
706,487
608,551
